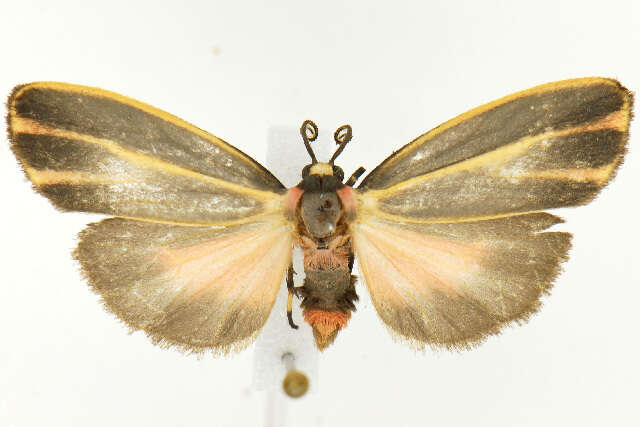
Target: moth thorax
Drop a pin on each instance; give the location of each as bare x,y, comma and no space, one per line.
320,212
326,325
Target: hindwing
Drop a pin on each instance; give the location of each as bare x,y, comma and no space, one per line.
196,288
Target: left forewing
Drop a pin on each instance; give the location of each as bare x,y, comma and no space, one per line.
452,285
92,150
196,288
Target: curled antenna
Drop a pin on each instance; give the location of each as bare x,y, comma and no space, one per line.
342,136
309,132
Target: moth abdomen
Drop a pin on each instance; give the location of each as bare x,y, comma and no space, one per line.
328,300
329,290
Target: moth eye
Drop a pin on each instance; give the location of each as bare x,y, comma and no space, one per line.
305,171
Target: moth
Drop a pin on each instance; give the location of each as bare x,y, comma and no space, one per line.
449,231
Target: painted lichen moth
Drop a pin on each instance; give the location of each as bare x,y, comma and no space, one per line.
449,231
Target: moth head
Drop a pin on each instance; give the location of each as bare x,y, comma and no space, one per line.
320,206
342,136
322,170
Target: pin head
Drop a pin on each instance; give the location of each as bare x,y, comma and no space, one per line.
295,384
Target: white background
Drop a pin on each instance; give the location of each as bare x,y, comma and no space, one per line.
391,69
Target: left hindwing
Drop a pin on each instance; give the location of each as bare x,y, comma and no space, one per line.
196,288
448,230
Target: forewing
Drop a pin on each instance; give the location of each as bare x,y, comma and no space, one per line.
92,150
551,146
196,288
452,285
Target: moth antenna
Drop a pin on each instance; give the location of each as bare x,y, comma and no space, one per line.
309,132
342,136
354,176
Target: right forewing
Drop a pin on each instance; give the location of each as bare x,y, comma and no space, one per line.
551,146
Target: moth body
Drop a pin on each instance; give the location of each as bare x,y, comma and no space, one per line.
322,232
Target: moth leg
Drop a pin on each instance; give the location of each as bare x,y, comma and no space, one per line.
354,176
291,289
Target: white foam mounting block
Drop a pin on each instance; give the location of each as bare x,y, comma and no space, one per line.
286,156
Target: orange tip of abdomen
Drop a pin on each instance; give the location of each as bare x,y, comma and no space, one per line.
326,325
